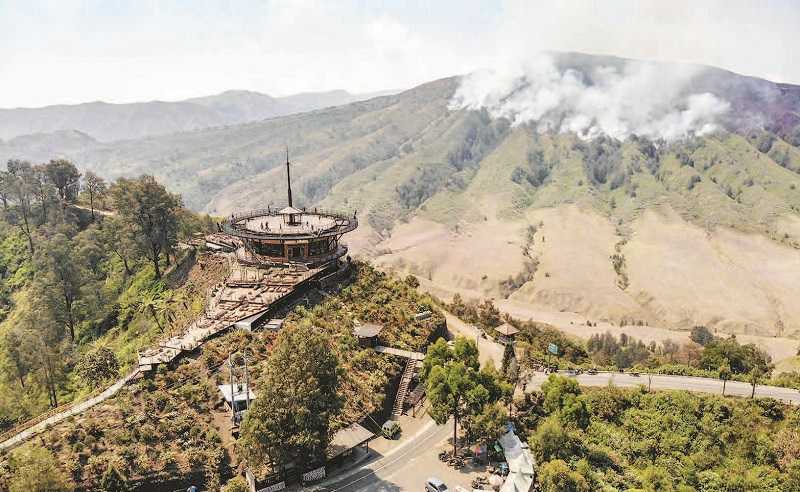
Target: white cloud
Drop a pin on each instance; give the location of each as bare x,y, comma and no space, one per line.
68,51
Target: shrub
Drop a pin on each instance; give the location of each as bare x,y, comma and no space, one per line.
556,476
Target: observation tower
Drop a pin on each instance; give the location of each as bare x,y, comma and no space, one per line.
290,236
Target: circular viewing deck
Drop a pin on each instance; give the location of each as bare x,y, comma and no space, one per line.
284,225
290,235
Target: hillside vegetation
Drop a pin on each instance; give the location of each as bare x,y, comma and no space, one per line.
703,230
614,439
172,429
79,295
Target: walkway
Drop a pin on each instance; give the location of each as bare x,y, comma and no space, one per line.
67,413
246,292
400,353
666,382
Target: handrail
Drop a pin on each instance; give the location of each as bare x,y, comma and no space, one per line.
342,225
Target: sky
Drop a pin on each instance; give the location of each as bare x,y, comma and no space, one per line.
72,51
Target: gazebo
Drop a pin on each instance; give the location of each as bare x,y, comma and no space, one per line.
367,334
506,333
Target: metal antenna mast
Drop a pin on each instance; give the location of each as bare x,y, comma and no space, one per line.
288,176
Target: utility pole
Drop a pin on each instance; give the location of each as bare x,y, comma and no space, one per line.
239,381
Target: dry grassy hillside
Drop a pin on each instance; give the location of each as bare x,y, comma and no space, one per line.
704,230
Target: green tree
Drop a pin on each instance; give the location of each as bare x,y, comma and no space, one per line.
236,484
754,377
18,357
553,441
450,390
151,211
701,335
455,386
508,357
724,375
119,237
45,192
290,420
5,188
556,476
22,184
95,187
466,350
97,366
438,354
34,469
61,274
489,424
65,177
150,302
113,481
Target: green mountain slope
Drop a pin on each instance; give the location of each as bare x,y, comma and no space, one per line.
702,230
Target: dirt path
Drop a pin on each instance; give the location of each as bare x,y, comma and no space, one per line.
71,411
487,349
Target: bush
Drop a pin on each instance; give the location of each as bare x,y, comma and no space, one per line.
701,335
97,367
236,484
556,476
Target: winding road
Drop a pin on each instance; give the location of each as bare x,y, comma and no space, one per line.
667,382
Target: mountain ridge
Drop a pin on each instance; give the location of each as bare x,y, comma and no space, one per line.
106,121
701,230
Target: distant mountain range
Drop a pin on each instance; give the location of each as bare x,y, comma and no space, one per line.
107,122
702,229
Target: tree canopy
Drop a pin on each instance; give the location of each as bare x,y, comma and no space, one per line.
151,211
290,420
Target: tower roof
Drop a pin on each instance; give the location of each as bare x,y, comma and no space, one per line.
290,211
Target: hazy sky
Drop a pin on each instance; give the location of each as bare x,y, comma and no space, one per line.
63,51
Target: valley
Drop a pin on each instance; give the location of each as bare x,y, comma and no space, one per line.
699,231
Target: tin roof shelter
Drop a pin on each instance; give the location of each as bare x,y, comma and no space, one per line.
347,439
367,334
506,333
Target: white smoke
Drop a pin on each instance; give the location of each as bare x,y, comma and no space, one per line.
646,99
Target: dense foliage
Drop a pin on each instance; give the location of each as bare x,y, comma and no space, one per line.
69,277
173,426
460,389
615,439
290,421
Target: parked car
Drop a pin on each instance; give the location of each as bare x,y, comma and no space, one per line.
390,429
435,485
592,371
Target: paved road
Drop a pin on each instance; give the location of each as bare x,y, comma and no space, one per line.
688,383
407,466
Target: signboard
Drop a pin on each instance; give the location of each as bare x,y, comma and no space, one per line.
552,348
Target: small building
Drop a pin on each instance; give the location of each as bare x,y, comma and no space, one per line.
506,333
346,441
367,334
343,445
237,398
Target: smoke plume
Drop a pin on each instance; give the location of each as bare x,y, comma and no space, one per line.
617,99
